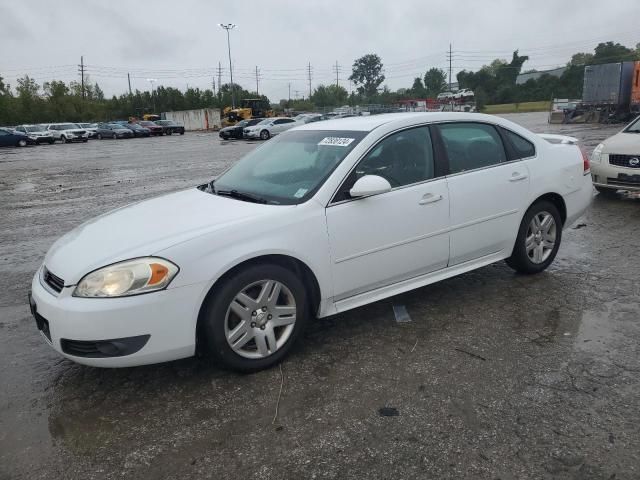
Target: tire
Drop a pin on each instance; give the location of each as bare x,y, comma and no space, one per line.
530,256
22,143
99,136
182,132
85,140
169,132
218,320
265,135
64,139
114,137
51,142
607,192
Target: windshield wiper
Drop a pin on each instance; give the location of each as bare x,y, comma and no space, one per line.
247,197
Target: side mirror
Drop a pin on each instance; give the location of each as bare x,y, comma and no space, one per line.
369,185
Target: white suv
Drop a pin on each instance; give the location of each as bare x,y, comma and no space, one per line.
38,133
68,132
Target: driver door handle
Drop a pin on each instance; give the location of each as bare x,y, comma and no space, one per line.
430,198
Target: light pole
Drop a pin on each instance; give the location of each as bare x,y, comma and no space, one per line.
227,27
153,99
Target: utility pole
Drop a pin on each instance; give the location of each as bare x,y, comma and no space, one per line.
309,76
129,81
450,57
289,94
213,85
337,70
257,80
219,79
81,70
228,27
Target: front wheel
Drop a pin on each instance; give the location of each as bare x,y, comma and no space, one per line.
51,141
538,239
64,139
22,142
252,319
265,135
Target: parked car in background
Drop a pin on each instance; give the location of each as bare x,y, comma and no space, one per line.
37,133
138,130
68,132
445,95
12,138
90,128
237,130
327,217
153,128
615,163
309,118
269,127
170,127
464,94
112,130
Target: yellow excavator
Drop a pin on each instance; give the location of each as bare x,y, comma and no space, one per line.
249,108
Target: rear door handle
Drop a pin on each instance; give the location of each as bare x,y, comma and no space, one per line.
430,198
517,176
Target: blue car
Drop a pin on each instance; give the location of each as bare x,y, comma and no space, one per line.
11,138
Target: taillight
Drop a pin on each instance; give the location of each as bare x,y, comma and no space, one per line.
585,161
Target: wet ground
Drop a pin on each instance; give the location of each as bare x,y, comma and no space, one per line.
496,376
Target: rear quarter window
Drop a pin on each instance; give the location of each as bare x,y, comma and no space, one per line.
522,148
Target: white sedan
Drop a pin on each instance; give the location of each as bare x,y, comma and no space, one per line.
269,127
325,218
616,161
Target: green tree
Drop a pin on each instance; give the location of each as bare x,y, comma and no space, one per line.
435,82
417,89
610,52
329,96
367,74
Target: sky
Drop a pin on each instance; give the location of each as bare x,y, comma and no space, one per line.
179,43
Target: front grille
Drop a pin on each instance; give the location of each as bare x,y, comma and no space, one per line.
629,161
78,132
56,283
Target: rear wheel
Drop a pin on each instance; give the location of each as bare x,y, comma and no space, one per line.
113,137
22,143
51,141
265,135
538,239
252,319
169,132
607,192
99,136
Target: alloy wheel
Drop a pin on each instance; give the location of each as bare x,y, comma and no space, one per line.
260,319
541,237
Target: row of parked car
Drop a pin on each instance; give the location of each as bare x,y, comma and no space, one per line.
24,135
265,128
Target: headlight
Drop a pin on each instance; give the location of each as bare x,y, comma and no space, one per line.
597,153
131,277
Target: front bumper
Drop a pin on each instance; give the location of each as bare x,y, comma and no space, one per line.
605,175
163,323
252,134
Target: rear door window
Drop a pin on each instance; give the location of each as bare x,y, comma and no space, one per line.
522,148
470,146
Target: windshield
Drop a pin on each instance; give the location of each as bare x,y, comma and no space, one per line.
634,127
265,121
33,129
67,126
243,123
290,168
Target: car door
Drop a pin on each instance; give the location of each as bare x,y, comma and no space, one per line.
488,190
5,138
393,236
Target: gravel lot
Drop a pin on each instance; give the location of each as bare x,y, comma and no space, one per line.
497,376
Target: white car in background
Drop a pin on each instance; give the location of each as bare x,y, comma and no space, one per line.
90,128
68,132
324,218
37,133
464,94
269,127
615,163
445,95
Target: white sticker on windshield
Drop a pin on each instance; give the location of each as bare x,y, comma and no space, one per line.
300,193
336,141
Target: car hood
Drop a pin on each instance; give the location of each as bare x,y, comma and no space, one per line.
145,228
623,143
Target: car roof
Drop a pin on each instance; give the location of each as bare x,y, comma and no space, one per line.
370,122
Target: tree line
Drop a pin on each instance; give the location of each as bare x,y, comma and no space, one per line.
31,102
